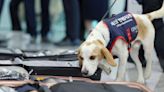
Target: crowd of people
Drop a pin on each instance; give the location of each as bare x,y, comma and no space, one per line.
78,16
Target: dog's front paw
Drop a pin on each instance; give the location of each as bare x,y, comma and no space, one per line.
141,80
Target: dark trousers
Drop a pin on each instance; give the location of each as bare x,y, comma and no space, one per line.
30,16
1,5
149,6
82,24
45,17
72,14
91,11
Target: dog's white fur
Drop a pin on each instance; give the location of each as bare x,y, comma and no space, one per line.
93,50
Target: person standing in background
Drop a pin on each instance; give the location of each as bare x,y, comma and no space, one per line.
45,20
79,16
1,6
92,10
29,14
72,17
149,6
31,18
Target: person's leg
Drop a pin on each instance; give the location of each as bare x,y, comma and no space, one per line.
30,17
14,4
159,46
72,17
72,14
149,6
82,26
45,18
1,5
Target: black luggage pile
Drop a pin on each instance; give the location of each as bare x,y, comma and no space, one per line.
70,85
44,62
44,71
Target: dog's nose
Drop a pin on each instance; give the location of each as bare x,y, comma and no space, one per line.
85,72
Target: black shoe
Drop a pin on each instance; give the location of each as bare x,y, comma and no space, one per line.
68,42
76,42
45,40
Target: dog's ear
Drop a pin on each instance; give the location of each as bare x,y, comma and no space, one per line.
108,56
78,56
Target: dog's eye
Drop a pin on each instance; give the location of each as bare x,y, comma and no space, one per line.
92,57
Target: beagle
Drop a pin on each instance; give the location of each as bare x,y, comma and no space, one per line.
121,35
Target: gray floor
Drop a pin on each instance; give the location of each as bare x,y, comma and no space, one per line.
155,83
20,40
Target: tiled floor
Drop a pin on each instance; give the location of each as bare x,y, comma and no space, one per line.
155,83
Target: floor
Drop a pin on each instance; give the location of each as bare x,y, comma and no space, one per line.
19,40
155,83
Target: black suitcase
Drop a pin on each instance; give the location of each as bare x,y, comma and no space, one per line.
67,84
40,63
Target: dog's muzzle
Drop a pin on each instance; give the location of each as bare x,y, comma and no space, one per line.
95,76
85,73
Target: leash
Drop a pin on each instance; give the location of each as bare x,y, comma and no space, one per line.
108,11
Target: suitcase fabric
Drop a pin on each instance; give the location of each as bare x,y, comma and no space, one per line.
40,63
52,84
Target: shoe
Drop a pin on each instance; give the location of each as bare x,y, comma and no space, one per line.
76,42
33,40
68,42
45,40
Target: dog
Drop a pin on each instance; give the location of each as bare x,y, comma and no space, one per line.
96,47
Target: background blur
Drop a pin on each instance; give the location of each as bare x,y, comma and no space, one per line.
57,16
